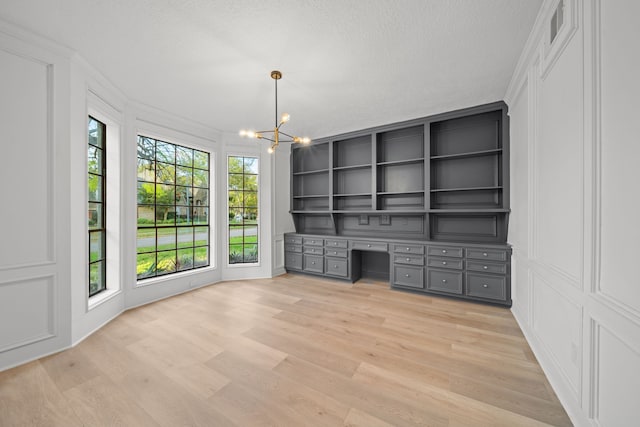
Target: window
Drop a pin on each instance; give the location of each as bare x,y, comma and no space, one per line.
173,208
243,209
96,182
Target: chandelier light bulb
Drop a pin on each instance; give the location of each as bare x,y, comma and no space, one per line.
251,134
242,132
285,118
306,140
270,150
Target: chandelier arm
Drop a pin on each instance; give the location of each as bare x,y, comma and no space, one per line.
276,121
286,134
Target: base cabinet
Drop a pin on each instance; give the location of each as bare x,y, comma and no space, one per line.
476,272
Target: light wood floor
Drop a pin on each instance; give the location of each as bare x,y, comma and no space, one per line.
291,351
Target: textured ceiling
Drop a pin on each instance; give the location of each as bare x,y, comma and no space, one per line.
346,64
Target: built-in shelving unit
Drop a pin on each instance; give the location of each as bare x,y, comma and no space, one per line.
442,177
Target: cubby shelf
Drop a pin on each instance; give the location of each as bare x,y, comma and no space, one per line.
391,193
314,196
442,190
310,212
401,162
468,154
351,194
469,210
310,172
352,167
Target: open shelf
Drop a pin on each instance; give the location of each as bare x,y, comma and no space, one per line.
352,195
311,172
402,162
467,211
441,190
311,196
468,154
391,193
310,212
342,168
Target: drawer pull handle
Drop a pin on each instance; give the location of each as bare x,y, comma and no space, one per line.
444,262
408,249
313,241
335,266
444,251
406,275
485,267
408,259
485,286
335,243
313,262
444,280
484,254
368,246
335,253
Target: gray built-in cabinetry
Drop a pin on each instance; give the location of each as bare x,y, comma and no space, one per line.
409,186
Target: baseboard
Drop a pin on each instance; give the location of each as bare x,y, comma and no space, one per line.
571,406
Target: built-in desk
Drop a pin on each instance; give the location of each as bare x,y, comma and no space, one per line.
480,272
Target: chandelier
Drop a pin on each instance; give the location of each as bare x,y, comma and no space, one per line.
275,135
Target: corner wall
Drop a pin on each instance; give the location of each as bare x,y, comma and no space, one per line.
575,204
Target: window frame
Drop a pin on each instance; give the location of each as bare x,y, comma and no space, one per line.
176,208
257,207
102,230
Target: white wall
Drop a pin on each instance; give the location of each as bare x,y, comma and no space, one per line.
575,200
47,93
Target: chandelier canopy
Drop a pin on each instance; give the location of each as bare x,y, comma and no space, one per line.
275,135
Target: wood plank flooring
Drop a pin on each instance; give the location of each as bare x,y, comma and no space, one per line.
291,351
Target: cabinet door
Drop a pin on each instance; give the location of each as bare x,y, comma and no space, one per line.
408,276
312,263
293,261
445,281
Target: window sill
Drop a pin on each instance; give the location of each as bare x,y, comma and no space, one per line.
174,276
102,297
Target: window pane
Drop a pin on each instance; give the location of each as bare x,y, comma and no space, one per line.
165,173
167,262
235,165
97,133
185,259
95,188
183,196
200,178
146,216
166,238
251,165
201,256
96,246
184,215
146,193
165,152
146,240
200,197
250,253
251,216
201,236
250,199
235,181
94,160
165,194
184,176
96,220
200,159
236,235
184,156
185,237
235,254
96,278
146,265
250,234
235,216
201,216
251,182
146,148
235,198
146,170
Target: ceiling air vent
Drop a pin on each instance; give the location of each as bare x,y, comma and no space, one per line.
556,20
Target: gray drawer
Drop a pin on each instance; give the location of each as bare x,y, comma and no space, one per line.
340,253
445,263
336,243
368,246
445,281
451,251
313,263
336,267
296,240
487,267
312,241
408,259
486,286
293,248
293,261
408,249
313,250
408,277
488,254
